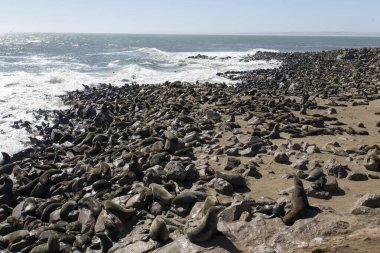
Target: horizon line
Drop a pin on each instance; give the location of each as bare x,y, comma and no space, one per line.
311,34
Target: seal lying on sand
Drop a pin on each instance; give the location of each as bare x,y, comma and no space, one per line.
206,228
300,204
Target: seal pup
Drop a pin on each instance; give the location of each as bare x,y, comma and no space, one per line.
206,228
272,211
158,230
299,201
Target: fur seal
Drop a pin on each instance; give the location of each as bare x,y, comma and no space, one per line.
92,204
189,197
206,228
51,246
272,211
66,208
48,210
209,202
10,238
158,230
119,211
6,184
105,241
300,204
161,194
6,159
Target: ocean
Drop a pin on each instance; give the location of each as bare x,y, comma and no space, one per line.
36,68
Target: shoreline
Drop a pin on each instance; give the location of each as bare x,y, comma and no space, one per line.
315,117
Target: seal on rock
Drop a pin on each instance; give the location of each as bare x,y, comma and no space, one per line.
299,201
206,228
209,202
272,211
51,246
161,194
158,230
119,211
189,197
16,236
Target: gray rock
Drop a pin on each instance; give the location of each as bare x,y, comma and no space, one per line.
175,171
234,211
222,186
213,115
281,157
191,172
318,194
357,176
193,136
336,169
331,184
313,149
136,247
300,164
232,163
248,152
369,200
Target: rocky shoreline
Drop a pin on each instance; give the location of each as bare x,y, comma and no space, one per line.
286,160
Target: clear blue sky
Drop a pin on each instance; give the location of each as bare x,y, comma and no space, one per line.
190,16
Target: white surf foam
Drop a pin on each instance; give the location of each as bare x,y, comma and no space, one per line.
21,93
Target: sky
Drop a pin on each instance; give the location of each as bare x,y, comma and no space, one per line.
190,16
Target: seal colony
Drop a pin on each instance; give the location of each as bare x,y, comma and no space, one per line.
143,165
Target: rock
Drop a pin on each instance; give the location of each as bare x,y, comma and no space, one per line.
248,152
336,169
313,149
369,200
357,176
86,218
56,135
331,110
136,247
374,175
372,164
191,172
175,171
181,245
318,194
281,157
234,211
300,164
213,115
331,184
232,163
193,136
222,186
